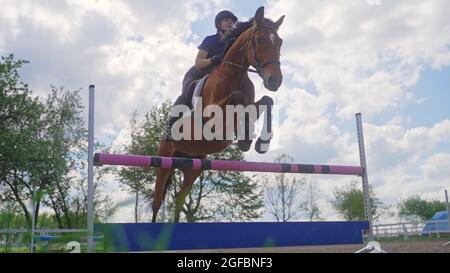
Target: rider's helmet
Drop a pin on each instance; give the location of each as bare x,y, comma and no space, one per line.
224,14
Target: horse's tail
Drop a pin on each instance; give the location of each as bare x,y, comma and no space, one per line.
157,203
168,183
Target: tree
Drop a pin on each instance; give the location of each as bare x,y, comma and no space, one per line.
281,192
69,199
415,208
10,218
145,136
41,144
20,124
61,135
311,207
219,195
133,177
10,215
215,196
349,202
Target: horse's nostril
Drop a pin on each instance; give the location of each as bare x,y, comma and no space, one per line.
272,82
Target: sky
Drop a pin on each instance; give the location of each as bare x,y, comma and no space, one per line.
388,60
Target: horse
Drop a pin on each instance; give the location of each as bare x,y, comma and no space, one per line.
256,44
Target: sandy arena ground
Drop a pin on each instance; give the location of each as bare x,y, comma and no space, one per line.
432,246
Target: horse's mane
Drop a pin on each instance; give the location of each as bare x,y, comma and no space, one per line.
237,30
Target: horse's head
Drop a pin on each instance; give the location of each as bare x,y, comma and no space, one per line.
263,49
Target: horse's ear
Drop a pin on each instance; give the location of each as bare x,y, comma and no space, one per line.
279,22
259,16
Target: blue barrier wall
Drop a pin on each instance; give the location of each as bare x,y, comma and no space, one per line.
182,236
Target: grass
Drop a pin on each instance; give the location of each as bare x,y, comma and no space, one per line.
59,246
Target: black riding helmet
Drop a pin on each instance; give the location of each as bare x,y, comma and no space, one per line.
224,14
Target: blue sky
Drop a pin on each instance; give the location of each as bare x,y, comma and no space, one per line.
434,87
389,60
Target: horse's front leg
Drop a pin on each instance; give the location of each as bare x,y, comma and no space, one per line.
243,119
264,105
247,124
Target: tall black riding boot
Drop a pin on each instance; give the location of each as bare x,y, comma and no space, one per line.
181,100
185,97
168,134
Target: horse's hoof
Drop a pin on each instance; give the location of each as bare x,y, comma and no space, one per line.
244,145
262,146
266,100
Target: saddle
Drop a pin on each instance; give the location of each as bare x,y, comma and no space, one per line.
196,88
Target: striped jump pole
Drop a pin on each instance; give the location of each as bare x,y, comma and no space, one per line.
221,165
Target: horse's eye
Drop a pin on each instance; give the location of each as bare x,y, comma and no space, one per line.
259,40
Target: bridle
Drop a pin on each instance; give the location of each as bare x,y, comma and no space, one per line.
257,65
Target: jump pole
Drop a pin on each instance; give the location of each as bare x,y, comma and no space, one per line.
90,197
225,165
221,165
364,177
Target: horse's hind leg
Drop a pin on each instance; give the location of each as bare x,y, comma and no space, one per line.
162,178
188,181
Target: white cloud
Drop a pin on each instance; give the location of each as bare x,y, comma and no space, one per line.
338,58
437,169
399,120
401,162
135,53
363,56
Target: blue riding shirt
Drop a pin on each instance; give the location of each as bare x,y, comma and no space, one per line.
212,45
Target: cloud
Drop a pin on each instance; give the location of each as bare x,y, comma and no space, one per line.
404,163
134,52
401,162
338,58
436,169
363,56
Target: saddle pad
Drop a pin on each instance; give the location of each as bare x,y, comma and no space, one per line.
198,90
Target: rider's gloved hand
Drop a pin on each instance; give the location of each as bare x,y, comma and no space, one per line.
216,59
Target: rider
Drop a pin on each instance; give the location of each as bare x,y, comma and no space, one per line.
210,54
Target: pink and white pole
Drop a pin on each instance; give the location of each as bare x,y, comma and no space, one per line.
224,165
221,165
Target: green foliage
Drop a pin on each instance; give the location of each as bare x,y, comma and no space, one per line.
215,196
43,160
145,137
220,195
415,208
42,144
10,216
20,123
349,202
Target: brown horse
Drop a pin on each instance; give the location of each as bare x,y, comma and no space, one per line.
256,44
